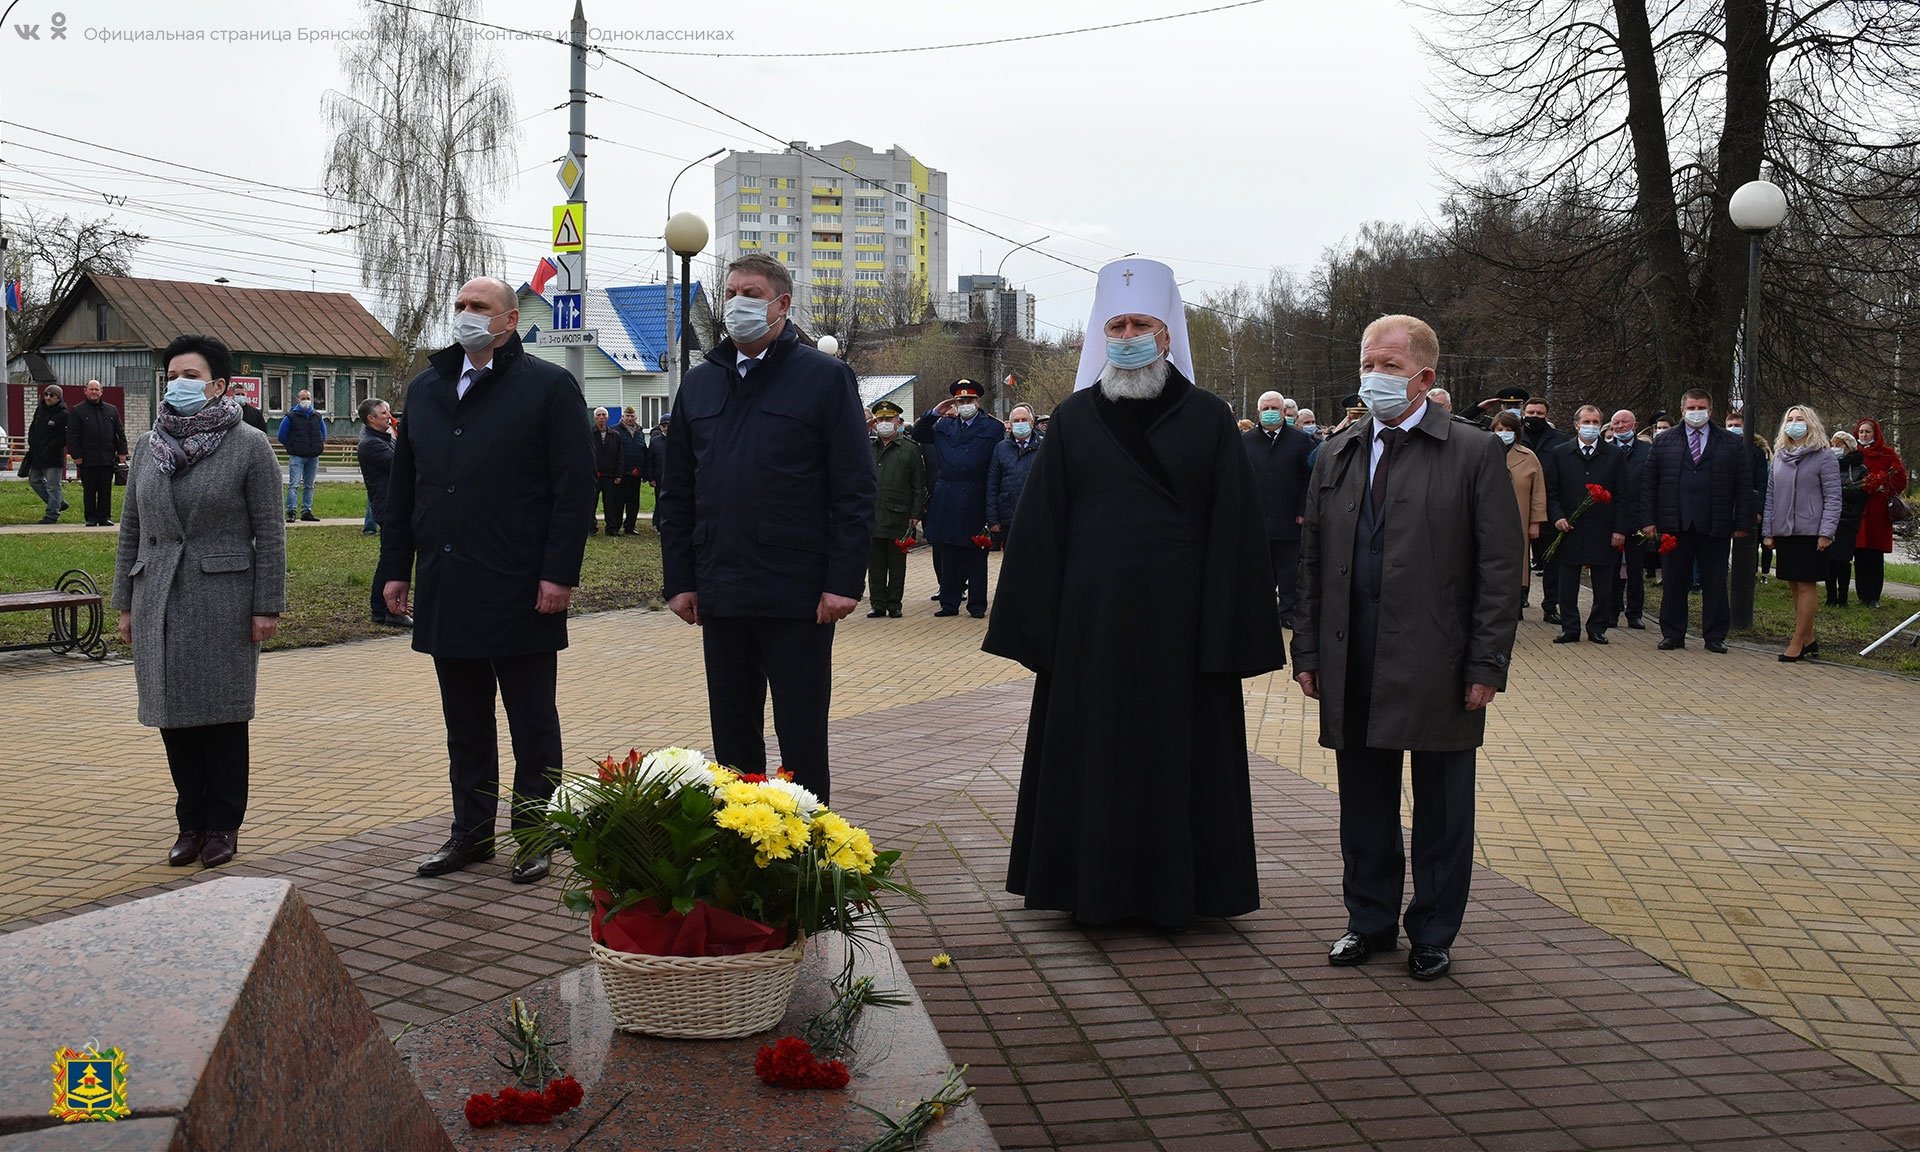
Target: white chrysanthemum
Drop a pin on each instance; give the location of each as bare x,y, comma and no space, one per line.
683,766
568,796
807,801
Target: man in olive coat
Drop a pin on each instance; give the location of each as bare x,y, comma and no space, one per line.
1409,581
902,501
491,496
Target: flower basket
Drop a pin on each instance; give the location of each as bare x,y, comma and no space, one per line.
698,997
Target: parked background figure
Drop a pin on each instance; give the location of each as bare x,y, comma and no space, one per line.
199,580
1853,506
1802,514
303,432
1886,478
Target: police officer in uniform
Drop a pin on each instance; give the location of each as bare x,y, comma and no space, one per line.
963,437
902,501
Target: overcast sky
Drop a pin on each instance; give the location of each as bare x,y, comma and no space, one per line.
1225,143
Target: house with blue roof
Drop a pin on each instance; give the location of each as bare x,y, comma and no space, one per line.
628,365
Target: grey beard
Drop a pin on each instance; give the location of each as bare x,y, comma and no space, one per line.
1142,383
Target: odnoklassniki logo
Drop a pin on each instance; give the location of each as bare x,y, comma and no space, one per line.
90,1084
57,31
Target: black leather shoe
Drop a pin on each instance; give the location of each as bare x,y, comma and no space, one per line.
1786,659
186,850
934,599
877,614
1551,616
976,615
1811,650
1637,624
1597,637
1427,962
1670,645
454,855
219,848
1354,948
308,517
893,613
948,612
1568,637
532,868
1718,647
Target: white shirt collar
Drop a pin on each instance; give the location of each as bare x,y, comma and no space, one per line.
741,359
472,367
1412,421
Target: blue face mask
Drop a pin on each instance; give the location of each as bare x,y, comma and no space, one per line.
1271,418
1506,436
1796,429
186,395
1022,428
1135,353
1589,432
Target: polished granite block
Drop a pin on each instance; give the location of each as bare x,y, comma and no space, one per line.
241,1028
663,1095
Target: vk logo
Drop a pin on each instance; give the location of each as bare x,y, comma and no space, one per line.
57,30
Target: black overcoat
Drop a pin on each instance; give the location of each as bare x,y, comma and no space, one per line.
1141,607
769,493
491,493
1568,474
1281,465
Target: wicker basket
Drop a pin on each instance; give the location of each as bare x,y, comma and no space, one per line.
700,997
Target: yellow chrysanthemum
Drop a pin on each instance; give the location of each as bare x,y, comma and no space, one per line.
721,776
773,835
739,792
781,802
844,845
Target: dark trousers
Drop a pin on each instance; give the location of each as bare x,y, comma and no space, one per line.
96,495
377,602
612,502
938,558
1676,575
1373,855
631,486
1550,573
962,571
1600,615
209,766
1630,591
1286,576
1870,574
886,574
526,684
745,656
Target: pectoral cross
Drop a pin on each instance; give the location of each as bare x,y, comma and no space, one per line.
1127,277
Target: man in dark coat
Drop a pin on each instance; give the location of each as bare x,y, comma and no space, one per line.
375,453
492,495
657,463
1134,797
901,502
46,457
1630,579
963,438
633,467
1280,456
768,506
1538,433
1007,475
1594,541
249,411
97,441
1409,580
1698,488
607,451
921,432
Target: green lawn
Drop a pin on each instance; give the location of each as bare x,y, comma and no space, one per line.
328,569
19,505
1842,632
1903,573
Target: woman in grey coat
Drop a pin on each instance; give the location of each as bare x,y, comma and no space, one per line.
1803,512
200,581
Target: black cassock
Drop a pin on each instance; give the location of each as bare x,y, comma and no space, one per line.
1137,584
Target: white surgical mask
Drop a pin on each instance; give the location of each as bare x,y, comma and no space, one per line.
746,319
1696,417
1736,429
1796,429
473,331
1310,429
1022,429
186,395
1589,432
968,411
884,427
1506,436
1385,396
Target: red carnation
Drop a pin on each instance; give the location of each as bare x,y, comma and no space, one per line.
1668,543
518,1106
982,540
482,1112
563,1094
1598,494
790,1063
905,544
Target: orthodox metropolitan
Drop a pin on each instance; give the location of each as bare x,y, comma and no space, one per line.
1137,584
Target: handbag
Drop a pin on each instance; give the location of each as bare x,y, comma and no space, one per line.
1897,510
120,474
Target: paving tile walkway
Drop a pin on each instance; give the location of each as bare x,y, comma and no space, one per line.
1751,825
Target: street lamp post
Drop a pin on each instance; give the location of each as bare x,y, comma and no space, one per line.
666,365
686,235
1757,208
998,331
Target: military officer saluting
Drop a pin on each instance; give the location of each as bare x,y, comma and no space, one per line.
902,476
964,438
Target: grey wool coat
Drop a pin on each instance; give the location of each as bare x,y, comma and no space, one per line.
202,552
1450,582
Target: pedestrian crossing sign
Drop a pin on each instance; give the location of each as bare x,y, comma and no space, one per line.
569,227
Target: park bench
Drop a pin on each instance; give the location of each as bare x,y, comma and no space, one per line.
75,607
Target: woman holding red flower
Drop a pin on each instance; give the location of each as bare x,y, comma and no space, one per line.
1886,478
1582,477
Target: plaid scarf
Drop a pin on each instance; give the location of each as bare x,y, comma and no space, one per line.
183,441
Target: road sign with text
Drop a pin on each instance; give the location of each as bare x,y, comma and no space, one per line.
571,336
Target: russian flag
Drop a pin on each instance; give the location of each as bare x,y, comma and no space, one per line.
542,272
13,295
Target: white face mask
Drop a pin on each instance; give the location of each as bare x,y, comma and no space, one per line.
968,411
1385,396
473,331
1696,417
883,427
1506,436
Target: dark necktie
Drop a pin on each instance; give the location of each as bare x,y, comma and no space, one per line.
1697,438
746,365
1389,440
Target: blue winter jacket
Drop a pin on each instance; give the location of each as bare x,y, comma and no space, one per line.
1007,476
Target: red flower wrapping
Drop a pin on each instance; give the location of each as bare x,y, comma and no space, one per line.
1598,494
790,1063
482,1112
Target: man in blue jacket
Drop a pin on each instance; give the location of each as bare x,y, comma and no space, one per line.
766,514
1007,475
303,432
963,438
